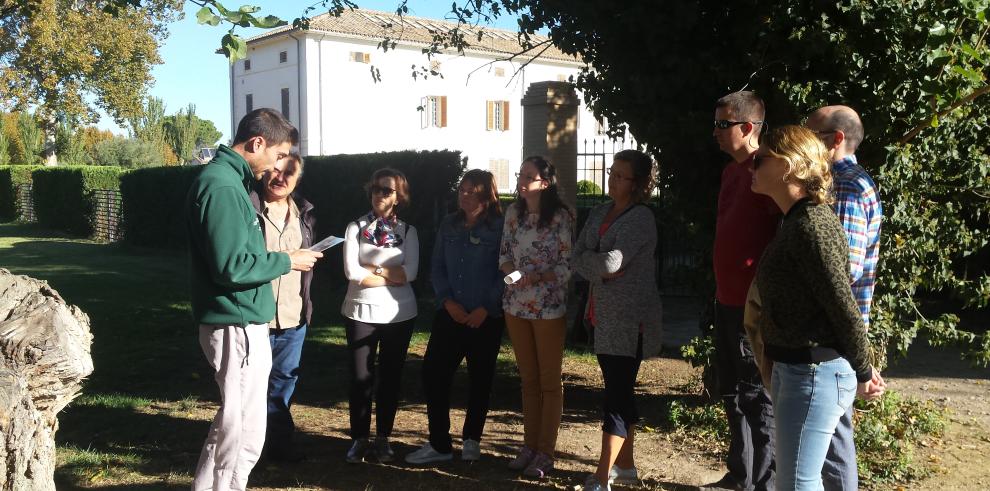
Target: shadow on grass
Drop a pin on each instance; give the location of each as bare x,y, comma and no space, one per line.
146,353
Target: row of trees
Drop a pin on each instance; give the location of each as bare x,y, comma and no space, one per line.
155,139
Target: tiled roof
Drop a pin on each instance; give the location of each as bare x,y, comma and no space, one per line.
376,25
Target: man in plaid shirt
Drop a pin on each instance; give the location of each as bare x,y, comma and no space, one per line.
857,205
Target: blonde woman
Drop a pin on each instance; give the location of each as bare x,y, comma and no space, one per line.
810,322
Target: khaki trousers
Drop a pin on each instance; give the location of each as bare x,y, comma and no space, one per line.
539,348
242,358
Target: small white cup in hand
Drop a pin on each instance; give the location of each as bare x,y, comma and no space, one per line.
512,277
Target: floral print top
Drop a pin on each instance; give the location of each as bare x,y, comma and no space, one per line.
533,249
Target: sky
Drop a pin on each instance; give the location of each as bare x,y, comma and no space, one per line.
192,72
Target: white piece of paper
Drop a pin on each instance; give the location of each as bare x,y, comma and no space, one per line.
325,244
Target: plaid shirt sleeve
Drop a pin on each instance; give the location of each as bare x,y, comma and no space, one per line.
851,210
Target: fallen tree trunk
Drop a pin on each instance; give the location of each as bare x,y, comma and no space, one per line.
44,356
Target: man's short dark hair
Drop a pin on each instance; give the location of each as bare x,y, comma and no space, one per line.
849,124
268,124
743,105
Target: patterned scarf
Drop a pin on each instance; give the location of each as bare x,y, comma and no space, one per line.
381,231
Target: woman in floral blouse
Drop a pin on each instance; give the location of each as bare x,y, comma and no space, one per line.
536,252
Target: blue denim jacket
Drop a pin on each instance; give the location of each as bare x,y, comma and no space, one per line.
465,264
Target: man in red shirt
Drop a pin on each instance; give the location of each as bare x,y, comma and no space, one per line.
744,226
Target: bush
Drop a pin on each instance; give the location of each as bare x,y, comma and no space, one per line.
12,176
887,433
152,200
588,187
130,153
64,199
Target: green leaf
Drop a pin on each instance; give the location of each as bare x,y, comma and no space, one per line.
249,9
935,121
972,75
267,22
234,47
206,16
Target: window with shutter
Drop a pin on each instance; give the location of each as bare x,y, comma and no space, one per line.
283,57
248,103
247,65
434,111
498,116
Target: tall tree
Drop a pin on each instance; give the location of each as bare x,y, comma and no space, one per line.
71,57
31,138
149,127
4,144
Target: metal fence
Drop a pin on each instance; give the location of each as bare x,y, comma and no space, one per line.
594,157
107,214
25,203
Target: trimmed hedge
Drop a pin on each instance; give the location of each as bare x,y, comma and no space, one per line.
63,196
12,176
152,200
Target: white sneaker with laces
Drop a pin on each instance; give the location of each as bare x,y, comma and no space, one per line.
619,475
426,454
471,451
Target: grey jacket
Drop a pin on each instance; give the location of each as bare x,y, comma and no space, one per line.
632,300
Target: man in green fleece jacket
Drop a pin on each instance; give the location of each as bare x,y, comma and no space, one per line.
232,299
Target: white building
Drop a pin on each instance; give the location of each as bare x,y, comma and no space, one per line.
322,79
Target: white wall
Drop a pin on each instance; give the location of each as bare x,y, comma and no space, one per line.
345,111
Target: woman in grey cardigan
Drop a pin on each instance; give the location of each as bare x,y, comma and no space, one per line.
615,253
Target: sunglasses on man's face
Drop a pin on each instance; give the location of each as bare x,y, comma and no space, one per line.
382,190
724,124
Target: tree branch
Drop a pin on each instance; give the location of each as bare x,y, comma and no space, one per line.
921,127
545,43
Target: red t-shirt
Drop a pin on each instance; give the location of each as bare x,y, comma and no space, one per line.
745,224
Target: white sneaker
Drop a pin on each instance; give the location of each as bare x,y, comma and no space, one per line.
426,454
471,450
619,475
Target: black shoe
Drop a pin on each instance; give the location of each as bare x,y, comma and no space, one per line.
727,482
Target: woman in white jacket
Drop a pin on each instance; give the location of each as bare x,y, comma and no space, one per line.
381,257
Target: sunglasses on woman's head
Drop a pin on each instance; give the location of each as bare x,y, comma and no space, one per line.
382,190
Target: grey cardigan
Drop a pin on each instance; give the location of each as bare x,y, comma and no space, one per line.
632,300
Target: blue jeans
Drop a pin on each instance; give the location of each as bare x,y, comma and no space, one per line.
808,402
286,352
840,472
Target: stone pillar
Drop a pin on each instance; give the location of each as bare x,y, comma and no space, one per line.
550,129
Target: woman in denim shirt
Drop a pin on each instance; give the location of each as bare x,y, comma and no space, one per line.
468,324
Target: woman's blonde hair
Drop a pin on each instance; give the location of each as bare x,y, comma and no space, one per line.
807,160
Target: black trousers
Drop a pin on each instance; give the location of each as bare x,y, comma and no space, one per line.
388,343
747,404
450,343
619,373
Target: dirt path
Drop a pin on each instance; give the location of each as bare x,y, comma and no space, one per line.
962,458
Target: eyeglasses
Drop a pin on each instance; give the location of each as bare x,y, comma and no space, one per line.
609,172
723,124
524,177
382,190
